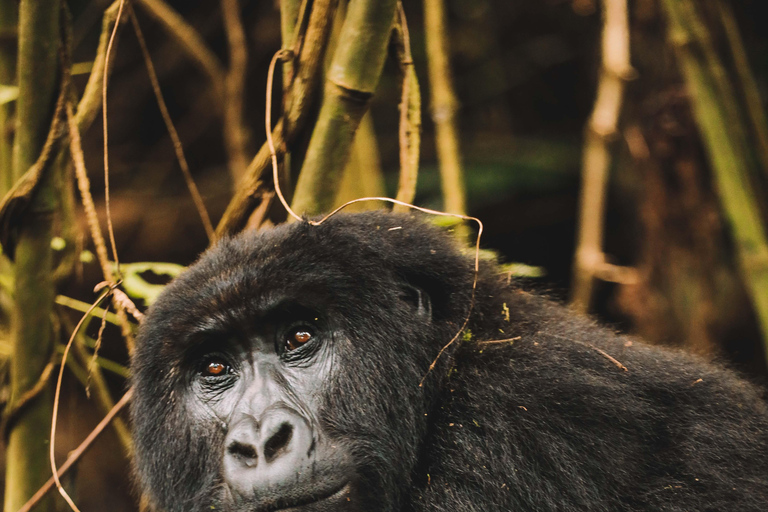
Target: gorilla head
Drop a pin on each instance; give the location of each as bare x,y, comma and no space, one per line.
282,372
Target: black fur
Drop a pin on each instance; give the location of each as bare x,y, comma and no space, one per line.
565,416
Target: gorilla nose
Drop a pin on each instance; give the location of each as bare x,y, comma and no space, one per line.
268,452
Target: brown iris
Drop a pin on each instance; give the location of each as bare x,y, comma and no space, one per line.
297,338
214,368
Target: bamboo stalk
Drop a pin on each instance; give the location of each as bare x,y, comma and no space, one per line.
9,14
235,132
709,102
362,175
90,102
410,115
289,18
290,30
444,107
755,108
351,81
9,18
255,183
589,261
26,455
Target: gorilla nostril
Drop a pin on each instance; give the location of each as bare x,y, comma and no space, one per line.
278,442
246,453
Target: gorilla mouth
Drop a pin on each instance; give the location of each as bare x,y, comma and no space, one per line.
325,502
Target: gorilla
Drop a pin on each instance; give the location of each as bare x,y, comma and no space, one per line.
289,370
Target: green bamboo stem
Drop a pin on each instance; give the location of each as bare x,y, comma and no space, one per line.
90,102
700,37
9,17
9,14
26,457
730,167
290,10
755,108
289,17
444,107
308,65
255,183
362,175
351,81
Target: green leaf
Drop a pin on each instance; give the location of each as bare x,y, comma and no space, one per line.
8,93
137,286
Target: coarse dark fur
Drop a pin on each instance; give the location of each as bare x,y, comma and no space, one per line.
532,409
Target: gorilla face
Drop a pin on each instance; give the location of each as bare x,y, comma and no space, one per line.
262,388
282,372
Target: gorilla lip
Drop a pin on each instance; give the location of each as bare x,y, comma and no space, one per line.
334,497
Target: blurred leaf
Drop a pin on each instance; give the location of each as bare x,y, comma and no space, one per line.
136,284
58,243
83,307
523,270
8,93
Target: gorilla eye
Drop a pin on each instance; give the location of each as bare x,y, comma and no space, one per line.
297,337
215,367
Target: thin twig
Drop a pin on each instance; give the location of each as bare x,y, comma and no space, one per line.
494,342
84,185
268,127
78,452
410,113
108,209
121,298
101,395
57,396
596,349
189,41
177,146
92,364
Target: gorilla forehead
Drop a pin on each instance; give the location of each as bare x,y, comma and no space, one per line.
253,272
294,255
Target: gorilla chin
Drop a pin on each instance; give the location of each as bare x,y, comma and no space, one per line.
341,500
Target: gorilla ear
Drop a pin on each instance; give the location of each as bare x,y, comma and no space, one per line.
419,299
